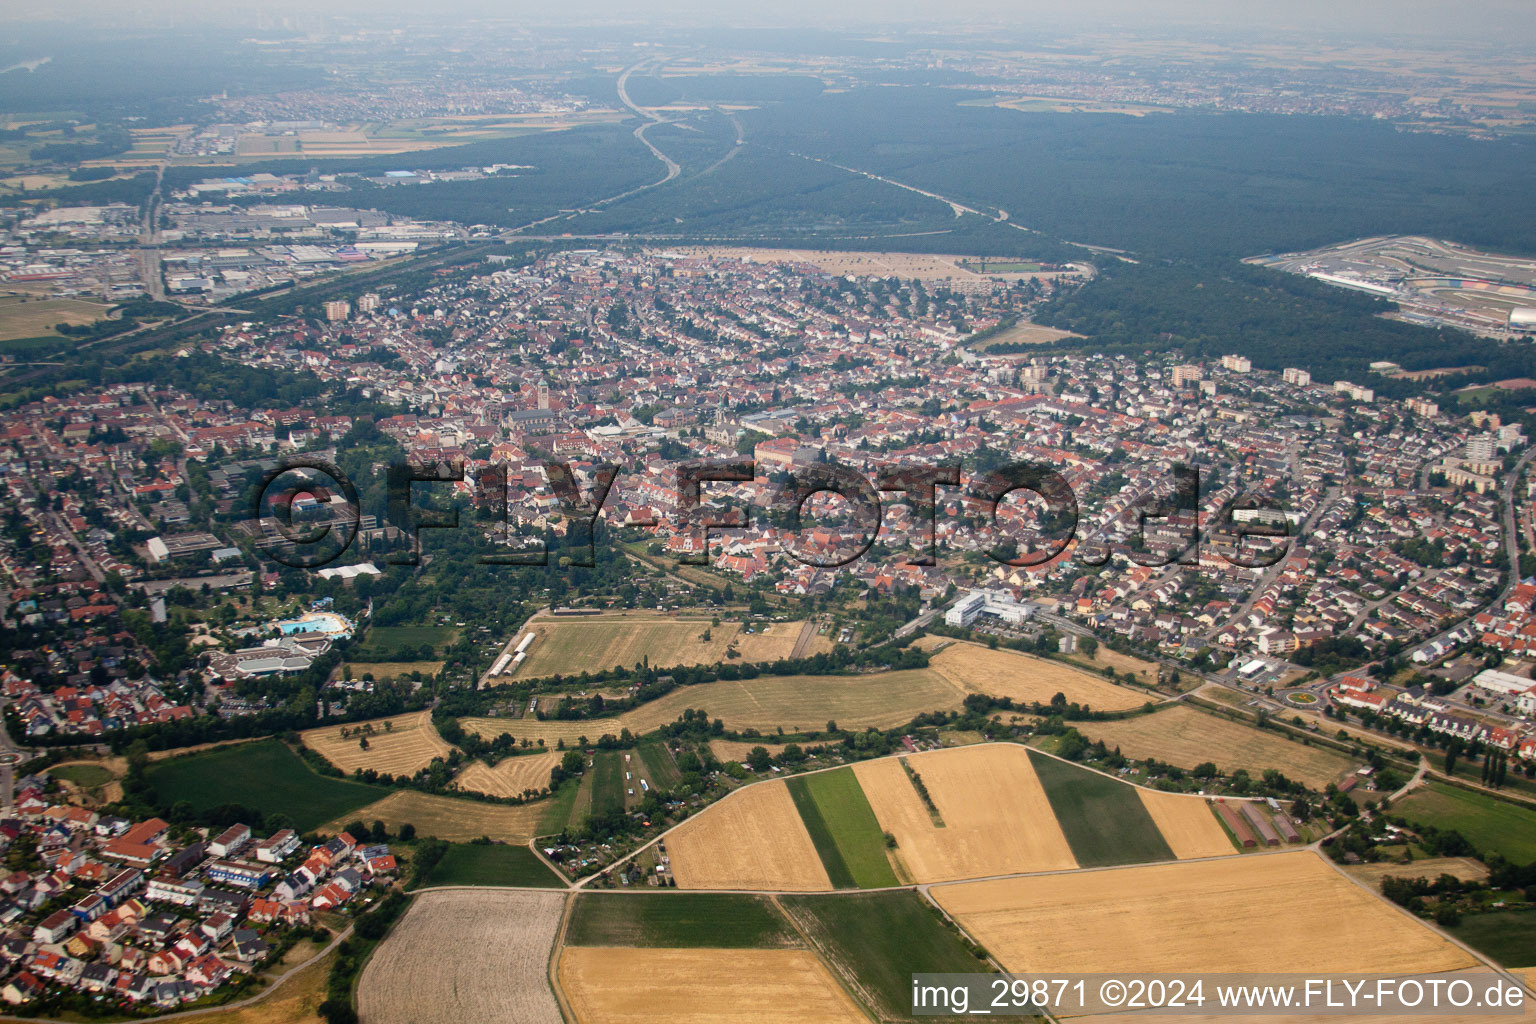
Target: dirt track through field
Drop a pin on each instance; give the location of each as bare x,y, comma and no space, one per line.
702,986
753,839
466,955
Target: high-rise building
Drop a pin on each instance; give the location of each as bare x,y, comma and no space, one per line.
1186,373
1298,377
368,302
337,310
1237,364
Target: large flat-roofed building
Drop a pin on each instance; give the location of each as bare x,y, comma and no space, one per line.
986,602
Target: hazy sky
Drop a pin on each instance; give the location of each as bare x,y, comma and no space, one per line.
1508,22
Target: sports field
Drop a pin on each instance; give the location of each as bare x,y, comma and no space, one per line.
876,941
264,776
1185,737
678,920
492,864
570,645
880,699
1104,820
843,828
1188,824
997,818
702,986
752,839
978,669
511,776
1490,824
402,745
457,821
465,955
1284,912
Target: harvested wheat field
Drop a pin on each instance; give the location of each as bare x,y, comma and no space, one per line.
702,986
457,821
1186,737
1188,824
737,750
511,776
466,956
753,839
880,699
978,669
1255,914
402,745
1467,869
997,819
596,643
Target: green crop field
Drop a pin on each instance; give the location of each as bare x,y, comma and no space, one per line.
877,941
382,643
844,828
264,776
1508,936
559,808
86,776
491,864
607,783
1103,819
661,768
1490,824
678,920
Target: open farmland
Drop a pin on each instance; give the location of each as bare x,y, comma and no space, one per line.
465,956
570,645
492,864
660,767
843,828
264,776
1467,869
1490,824
997,818
386,670
511,776
752,839
1238,914
978,669
457,821
678,920
881,699
702,986
1186,737
876,941
1104,820
1187,823
36,318
402,745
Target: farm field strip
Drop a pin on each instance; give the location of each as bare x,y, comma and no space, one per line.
263,775
678,920
978,669
661,768
1104,820
1236,915
597,643
466,956
752,839
607,783
880,699
1188,824
511,776
844,828
1490,824
447,818
702,986
492,864
997,818
875,942
1186,737
401,745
